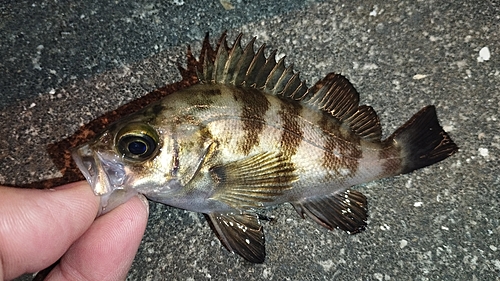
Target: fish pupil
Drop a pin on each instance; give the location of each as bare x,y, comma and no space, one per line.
137,147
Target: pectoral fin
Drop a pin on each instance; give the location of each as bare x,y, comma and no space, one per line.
241,234
346,210
250,182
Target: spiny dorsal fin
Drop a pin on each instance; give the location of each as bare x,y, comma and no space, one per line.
243,67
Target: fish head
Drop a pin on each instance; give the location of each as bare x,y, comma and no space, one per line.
128,158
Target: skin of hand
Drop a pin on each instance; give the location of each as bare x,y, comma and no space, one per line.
37,227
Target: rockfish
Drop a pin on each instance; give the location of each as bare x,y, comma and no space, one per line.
250,135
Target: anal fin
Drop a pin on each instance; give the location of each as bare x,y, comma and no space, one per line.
241,234
346,210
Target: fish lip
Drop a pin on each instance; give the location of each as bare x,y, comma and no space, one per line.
85,161
106,175
91,165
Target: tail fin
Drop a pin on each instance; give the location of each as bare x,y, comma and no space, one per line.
422,140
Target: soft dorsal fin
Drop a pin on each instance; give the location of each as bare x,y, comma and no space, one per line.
243,67
337,96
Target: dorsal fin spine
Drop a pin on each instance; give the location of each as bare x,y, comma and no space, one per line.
299,93
220,64
274,75
244,62
292,85
283,80
253,70
265,71
207,72
231,66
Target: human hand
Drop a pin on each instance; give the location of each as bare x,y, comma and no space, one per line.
37,227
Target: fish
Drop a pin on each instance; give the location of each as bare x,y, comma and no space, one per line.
250,135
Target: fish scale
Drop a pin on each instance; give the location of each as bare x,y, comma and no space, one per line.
250,135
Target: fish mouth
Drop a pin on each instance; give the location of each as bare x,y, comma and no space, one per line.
106,175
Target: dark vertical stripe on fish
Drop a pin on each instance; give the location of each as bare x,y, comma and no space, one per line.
254,106
342,151
203,98
292,134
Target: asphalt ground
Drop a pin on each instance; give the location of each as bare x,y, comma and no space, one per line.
63,64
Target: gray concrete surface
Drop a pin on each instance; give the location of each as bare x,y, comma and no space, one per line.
62,65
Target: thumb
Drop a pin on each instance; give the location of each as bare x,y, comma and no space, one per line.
107,250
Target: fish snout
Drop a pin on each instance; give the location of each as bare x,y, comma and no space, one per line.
106,175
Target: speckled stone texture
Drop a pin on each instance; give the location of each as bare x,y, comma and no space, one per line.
64,64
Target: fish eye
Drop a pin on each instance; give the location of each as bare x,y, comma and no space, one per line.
137,142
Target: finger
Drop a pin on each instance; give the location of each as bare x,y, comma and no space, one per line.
38,226
107,250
